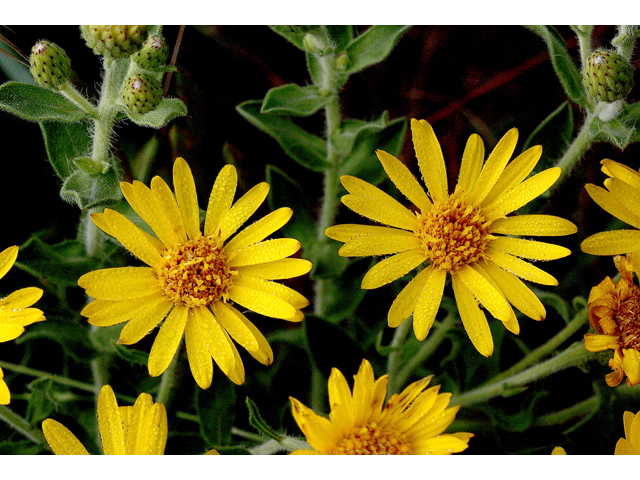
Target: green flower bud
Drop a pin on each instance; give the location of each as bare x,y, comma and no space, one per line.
310,43
153,55
141,93
114,41
608,76
50,65
342,61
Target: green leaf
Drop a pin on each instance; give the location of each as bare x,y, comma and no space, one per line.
88,191
131,355
38,104
286,192
314,68
216,410
291,99
308,150
344,294
341,35
554,134
293,33
62,263
72,337
373,46
614,131
65,141
331,347
258,422
565,68
169,109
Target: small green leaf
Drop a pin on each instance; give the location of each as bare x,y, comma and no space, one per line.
291,99
38,104
554,134
258,422
131,355
308,150
291,32
563,65
216,409
88,191
341,35
373,46
65,141
614,131
89,165
169,109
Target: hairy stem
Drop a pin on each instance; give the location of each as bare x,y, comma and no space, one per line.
21,425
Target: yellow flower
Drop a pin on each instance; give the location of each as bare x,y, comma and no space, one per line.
14,312
631,444
137,430
622,200
614,314
466,234
411,423
558,451
193,278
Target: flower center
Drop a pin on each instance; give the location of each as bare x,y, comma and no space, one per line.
627,317
453,233
195,273
372,439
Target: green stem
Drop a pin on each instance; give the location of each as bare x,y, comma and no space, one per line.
627,40
288,444
21,425
549,347
317,390
571,357
395,356
578,411
168,381
76,97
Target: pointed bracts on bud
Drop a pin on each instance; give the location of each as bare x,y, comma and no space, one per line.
50,65
153,55
114,41
141,93
608,76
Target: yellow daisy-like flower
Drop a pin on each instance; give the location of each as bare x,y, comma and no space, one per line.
466,234
558,451
621,198
192,278
15,313
411,423
137,430
630,445
614,313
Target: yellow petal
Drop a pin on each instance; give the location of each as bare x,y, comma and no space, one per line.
261,302
471,164
519,267
484,291
25,297
537,225
198,352
145,320
620,206
633,434
319,431
428,303
616,242
363,393
368,245
259,230
165,198
624,447
515,173
187,197
340,395
7,259
20,316
5,395
242,210
278,270
631,367
263,353
347,231
236,325
621,171
10,331
494,166
558,451
166,343
100,222
404,180
529,248
597,343
405,303
473,319
104,313
131,237
121,283
430,159
392,268
221,198
147,430
153,212
625,193
443,445
289,295
220,346
263,252
61,440
110,423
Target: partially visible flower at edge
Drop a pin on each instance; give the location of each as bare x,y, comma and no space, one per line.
192,278
558,451
137,430
412,423
630,445
14,312
621,198
466,234
614,314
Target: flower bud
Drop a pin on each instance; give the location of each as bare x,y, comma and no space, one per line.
50,65
153,55
114,41
141,93
342,61
608,76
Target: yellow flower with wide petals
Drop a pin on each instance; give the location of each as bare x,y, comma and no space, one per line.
630,445
137,430
412,423
621,198
466,234
194,278
614,314
15,313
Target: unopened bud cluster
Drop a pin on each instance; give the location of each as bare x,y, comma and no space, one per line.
114,41
608,76
141,93
50,65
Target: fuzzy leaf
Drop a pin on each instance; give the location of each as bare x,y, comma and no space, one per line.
64,142
88,191
169,109
131,355
215,408
291,99
341,35
554,134
38,104
258,422
294,33
373,46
